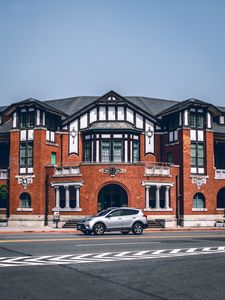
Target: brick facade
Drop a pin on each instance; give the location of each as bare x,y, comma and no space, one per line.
75,186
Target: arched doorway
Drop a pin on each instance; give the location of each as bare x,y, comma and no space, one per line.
112,195
221,198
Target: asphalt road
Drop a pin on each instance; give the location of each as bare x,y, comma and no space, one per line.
156,265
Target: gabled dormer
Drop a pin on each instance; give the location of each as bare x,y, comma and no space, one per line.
111,114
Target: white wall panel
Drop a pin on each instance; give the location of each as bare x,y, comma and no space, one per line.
120,113
23,135
193,135
139,121
149,141
38,117
14,120
30,135
73,137
200,135
130,115
111,113
83,121
93,115
102,113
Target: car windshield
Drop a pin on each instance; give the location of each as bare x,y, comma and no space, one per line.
103,212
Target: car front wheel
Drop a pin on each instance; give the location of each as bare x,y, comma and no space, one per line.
137,228
99,229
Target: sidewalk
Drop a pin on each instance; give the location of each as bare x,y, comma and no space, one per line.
22,230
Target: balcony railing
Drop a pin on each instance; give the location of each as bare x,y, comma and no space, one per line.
3,174
219,174
70,171
157,169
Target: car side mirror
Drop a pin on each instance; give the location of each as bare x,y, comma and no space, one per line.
108,216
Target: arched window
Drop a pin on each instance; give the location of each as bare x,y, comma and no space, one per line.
25,200
221,198
199,201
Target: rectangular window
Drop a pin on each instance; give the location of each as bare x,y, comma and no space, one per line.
87,151
26,155
23,119
53,158
197,155
105,151
219,150
117,151
30,154
136,157
196,120
170,157
30,119
23,155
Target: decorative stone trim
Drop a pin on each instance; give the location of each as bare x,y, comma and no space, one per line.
199,180
199,209
24,209
25,180
112,171
66,209
158,209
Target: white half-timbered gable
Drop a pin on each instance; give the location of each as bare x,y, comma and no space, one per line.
112,114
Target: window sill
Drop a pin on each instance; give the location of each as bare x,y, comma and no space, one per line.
24,209
199,209
67,209
52,143
222,209
158,209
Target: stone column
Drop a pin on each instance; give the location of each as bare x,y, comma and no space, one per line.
57,197
157,198
167,188
147,188
67,196
77,197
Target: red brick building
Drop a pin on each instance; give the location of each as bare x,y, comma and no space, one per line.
79,155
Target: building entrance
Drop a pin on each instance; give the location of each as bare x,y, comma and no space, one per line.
112,195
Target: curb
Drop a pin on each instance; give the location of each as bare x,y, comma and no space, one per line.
63,231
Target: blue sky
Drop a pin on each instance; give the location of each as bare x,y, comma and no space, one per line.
170,49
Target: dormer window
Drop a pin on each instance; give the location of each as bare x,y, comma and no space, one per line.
27,118
196,118
221,120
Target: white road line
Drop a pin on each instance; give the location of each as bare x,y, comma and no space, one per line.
115,244
106,257
158,252
141,253
221,248
102,255
207,249
191,250
175,251
122,254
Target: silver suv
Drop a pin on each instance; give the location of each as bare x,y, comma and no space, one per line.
114,219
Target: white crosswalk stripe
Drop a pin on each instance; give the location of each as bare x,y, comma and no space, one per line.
105,257
191,250
175,251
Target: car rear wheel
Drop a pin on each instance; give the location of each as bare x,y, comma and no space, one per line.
99,229
125,232
137,228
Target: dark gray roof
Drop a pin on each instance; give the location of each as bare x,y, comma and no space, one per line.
2,108
218,128
71,105
111,125
221,108
152,105
6,127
